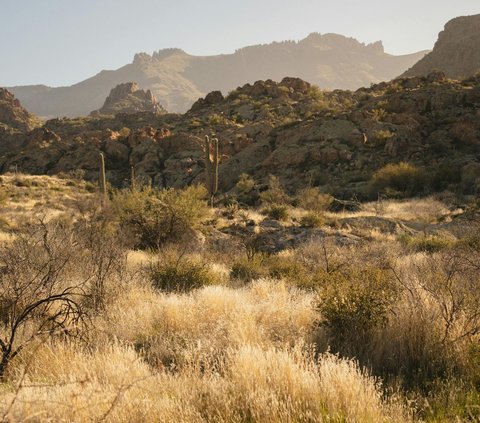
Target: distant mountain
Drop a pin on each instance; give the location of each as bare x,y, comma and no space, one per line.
13,115
178,79
129,98
457,51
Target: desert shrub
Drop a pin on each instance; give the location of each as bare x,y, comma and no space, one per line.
427,243
433,322
176,272
315,93
246,189
312,220
125,132
446,174
276,212
42,288
154,217
353,304
402,179
275,194
245,183
313,199
291,270
378,114
246,270
217,119
381,136
104,257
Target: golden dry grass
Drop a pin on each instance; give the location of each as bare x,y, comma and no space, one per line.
27,198
424,210
243,353
237,355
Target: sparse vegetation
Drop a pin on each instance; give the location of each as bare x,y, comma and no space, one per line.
398,180
227,333
276,212
154,217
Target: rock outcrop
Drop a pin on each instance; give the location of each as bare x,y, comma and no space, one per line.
456,53
13,115
129,98
334,140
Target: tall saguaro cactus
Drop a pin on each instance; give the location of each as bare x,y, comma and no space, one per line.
102,179
211,166
132,178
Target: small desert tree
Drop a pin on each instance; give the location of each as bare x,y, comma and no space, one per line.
38,295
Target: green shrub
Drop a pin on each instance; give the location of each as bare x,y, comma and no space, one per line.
276,212
381,136
446,174
247,270
154,217
428,244
352,305
312,220
313,199
275,193
177,273
402,180
245,183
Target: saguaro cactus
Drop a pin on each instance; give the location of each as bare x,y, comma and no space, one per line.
132,178
102,179
211,167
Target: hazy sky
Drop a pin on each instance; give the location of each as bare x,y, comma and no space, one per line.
60,42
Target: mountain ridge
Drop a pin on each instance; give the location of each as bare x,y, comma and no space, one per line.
177,79
456,51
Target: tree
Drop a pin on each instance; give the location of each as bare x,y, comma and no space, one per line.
39,296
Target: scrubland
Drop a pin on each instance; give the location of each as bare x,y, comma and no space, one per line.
154,307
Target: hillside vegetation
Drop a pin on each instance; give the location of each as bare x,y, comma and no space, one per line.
277,312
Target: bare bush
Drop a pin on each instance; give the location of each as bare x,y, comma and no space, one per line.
38,296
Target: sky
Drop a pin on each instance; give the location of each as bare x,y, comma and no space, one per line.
61,42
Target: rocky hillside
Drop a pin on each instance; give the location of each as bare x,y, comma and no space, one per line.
178,79
456,52
129,98
13,115
335,140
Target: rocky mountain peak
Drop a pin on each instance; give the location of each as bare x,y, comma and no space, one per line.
456,51
129,98
13,115
167,52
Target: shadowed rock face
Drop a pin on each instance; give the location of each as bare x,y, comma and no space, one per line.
13,115
129,98
457,51
178,79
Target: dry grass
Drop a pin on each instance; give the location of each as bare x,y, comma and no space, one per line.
28,198
423,210
241,356
260,352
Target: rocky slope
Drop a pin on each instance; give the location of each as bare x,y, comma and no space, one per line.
13,115
178,79
129,98
334,140
456,52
